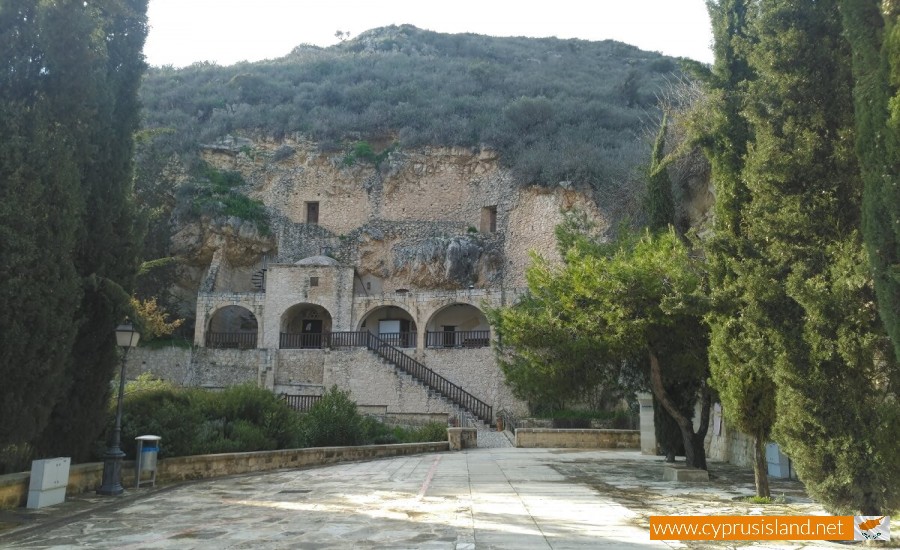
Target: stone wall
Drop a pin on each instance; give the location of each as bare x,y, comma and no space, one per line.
87,477
727,444
300,366
578,439
171,364
203,367
372,382
308,371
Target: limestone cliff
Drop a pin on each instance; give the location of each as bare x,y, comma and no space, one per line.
434,218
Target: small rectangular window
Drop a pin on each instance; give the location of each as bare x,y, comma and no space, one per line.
313,281
312,212
489,219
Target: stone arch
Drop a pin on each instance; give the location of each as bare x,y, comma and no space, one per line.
304,326
232,326
458,325
392,323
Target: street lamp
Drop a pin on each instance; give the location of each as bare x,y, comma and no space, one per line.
126,337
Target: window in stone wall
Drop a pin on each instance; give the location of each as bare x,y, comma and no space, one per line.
313,281
489,219
312,212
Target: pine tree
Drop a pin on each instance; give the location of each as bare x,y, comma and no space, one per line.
659,207
629,302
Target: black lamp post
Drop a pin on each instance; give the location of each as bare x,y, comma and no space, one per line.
126,337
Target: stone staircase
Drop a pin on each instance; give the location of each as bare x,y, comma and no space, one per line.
465,417
469,409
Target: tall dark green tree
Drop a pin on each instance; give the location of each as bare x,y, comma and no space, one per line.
873,30
106,257
67,114
659,206
740,357
835,381
40,209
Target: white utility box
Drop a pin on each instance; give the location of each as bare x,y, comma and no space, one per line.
49,478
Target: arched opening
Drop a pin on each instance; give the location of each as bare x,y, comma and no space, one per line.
304,326
232,327
458,326
392,324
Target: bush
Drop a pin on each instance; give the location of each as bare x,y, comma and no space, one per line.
240,406
166,412
377,433
433,431
194,421
333,421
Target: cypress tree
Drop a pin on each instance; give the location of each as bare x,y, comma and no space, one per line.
40,209
873,31
106,258
740,360
834,397
659,206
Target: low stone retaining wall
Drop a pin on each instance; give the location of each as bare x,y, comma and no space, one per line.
86,477
581,439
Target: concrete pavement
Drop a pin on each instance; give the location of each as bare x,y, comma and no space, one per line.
477,499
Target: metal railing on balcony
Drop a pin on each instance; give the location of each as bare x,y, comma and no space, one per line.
290,340
356,339
300,403
399,339
458,339
231,340
429,378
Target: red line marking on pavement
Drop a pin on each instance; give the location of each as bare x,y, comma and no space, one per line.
429,477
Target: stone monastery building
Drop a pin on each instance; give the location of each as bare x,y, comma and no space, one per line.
377,280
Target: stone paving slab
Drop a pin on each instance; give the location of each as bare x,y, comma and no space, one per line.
478,499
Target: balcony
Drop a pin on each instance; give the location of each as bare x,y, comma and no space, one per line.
458,339
231,340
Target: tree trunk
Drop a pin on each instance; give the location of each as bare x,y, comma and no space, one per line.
694,454
760,466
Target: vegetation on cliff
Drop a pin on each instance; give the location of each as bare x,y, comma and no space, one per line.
557,110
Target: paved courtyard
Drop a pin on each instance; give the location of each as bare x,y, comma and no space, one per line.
478,499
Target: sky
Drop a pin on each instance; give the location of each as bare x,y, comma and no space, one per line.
228,31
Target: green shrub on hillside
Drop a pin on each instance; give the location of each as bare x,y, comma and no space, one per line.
217,193
556,110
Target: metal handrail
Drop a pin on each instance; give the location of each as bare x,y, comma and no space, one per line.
430,378
300,403
458,339
239,340
347,339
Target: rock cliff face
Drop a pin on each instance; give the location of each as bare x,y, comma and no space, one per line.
433,218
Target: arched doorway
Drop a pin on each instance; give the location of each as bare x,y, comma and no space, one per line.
232,327
458,326
392,324
304,326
